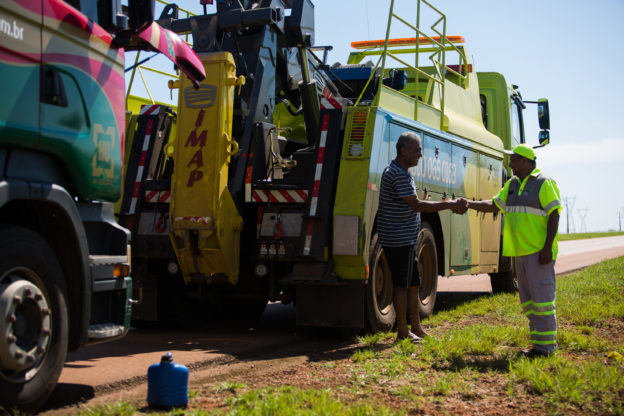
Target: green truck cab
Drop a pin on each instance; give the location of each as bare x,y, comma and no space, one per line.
64,261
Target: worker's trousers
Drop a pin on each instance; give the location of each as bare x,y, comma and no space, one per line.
536,284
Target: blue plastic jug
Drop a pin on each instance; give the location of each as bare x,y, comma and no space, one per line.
167,384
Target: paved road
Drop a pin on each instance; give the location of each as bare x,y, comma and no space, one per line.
573,255
97,369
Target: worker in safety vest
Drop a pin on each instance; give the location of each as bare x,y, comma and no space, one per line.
531,204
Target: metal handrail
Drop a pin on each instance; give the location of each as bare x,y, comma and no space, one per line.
437,57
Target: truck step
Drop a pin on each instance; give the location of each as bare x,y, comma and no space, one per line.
103,331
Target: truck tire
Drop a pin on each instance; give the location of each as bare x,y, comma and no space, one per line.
505,282
428,269
380,312
33,319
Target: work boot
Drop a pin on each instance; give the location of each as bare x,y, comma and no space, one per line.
535,353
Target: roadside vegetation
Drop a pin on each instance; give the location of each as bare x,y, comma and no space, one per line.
581,236
472,364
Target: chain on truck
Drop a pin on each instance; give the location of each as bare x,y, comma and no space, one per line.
64,260
268,189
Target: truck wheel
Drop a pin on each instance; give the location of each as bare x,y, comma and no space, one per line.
379,309
33,319
505,282
428,269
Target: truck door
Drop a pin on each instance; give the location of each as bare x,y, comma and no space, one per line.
465,229
82,75
20,54
436,162
436,178
489,183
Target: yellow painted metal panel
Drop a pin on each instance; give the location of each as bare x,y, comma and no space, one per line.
403,105
352,193
205,224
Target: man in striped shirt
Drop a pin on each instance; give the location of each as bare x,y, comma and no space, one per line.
398,225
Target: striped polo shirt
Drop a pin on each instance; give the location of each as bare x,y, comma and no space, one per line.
397,223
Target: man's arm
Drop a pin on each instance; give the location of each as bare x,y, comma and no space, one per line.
545,255
483,206
419,205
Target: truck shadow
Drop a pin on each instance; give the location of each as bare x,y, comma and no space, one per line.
211,342
68,394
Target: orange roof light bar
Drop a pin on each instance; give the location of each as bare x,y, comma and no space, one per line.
367,44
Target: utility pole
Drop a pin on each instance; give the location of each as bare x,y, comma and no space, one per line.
582,213
569,204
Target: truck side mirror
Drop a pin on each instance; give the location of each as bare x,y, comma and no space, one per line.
141,14
543,115
544,138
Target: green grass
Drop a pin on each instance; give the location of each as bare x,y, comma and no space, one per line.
487,333
229,386
116,409
592,295
293,401
580,236
593,386
477,343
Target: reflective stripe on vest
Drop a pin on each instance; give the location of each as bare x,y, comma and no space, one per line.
501,204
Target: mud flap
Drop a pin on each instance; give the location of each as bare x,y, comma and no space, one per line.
336,305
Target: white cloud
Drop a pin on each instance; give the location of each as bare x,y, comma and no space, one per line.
600,151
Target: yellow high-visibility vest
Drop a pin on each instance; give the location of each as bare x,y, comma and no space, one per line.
527,206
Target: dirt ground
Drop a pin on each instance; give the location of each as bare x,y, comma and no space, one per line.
490,397
333,370
488,393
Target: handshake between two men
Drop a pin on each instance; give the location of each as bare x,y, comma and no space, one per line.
460,206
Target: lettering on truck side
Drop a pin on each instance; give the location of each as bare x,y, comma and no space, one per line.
11,30
436,170
194,140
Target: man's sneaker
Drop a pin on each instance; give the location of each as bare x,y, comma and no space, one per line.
414,339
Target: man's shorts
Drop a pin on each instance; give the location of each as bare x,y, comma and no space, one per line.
403,265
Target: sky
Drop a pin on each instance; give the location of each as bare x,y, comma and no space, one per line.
565,50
